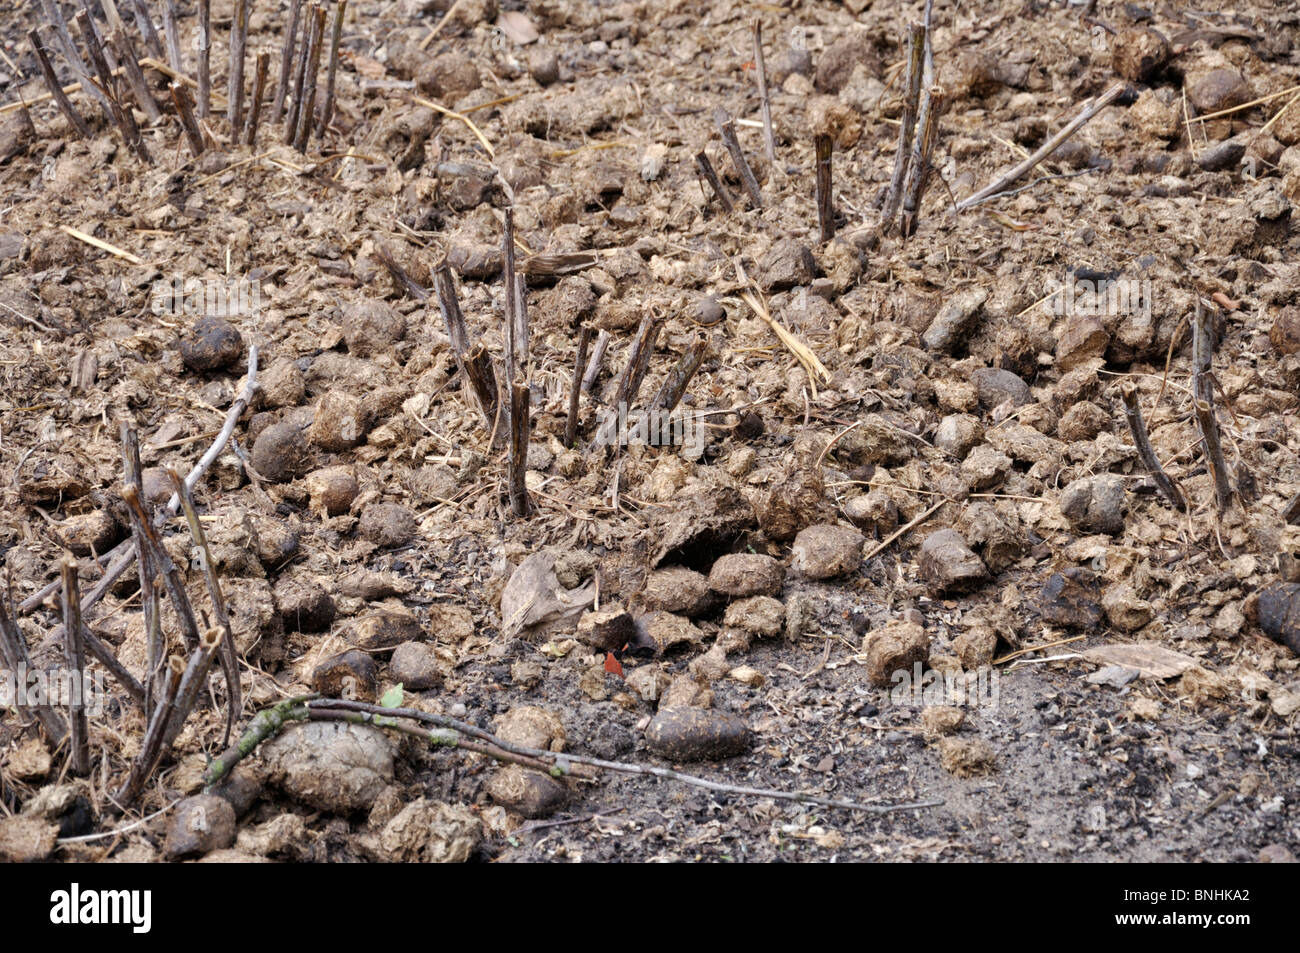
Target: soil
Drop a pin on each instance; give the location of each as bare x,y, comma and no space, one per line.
365,478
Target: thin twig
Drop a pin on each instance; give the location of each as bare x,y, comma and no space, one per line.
715,183
727,130
823,146
575,388
235,76
336,37
1137,427
765,102
286,60
13,652
56,91
1089,110
74,660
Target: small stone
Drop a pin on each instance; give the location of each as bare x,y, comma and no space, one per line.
240,790
529,793
940,720
281,385
953,319
430,832
665,630
1125,609
25,839
95,531
387,525
30,761
708,312
825,550
760,616
696,734
958,434
212,345
874,512
1095,504
975,647
652,161
608,629
948,564
1285,332
1139,54
1222,155
677,589
384,629
451,623
415,665
985,467
303,604
199,825
895,647
332,490
746,675
533,727
1084,339
332,766
339,423
371,327
786,264
1069,599
996,386
280,453
746,574
349,674
1218,90
1276,854
966,758
544,66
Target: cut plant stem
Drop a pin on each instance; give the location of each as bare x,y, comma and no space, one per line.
918,170
286,60
134,75
575,388
1137,427
679,378
193,131
192,682
765,102
1203,403
74,660
916,34
300,78
229,660
597,361
144,22
475,364
306,115
54,14
151,748
172,32
1089,110
13,652
518,459
56,91
823,146
235,76
727,130
205,57
336,37
122,117
259,90
154,644
711,177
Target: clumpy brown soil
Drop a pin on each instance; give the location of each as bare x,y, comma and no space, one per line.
366,481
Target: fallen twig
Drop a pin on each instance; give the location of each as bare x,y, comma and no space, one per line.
1137,427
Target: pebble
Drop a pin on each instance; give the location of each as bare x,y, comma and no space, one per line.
199,825
747,574
948,564
954,318
824,550
996,386
415,665
697,734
